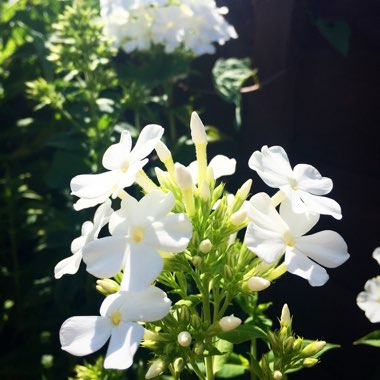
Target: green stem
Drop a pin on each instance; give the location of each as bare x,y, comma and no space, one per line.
195,367
254,355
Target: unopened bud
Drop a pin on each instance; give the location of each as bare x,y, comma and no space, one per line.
210,177
297,344
228,275
204,191
198,131
229,323
184,339
197,260
107,286
313,348
163,152
199,348
288,344
178,365
277,375
257,284
196,322
309,362
205,246
183,176
238,217
286,319
243,192
162,177
185,315
156,368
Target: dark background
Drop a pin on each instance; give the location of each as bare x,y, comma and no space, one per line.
321,105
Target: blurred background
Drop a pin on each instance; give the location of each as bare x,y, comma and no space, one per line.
315,92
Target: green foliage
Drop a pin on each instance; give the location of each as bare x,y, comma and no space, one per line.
371,339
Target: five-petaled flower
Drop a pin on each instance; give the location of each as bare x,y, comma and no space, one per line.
271,234
303,185
123,164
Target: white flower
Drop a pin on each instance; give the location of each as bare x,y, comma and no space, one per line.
369,299
119,313
376,255
303,185
90,232
270,235
139,230
123,164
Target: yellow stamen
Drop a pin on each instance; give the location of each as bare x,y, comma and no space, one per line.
137,234
116,317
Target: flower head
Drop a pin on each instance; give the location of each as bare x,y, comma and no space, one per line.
90,231
123,164
139,230
117,321
369,299
303,186
271,234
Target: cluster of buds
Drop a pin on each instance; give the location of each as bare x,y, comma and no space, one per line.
290,352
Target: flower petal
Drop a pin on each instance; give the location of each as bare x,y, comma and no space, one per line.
266,244
302,266
124,342
69,265
272,165
154,206
222,165
309,179
117,154
101,218
142,266
299,224
151,304
84,335
105,257
368,299
326,248
376,255
121,220
172,233
322,205
83,203
146,142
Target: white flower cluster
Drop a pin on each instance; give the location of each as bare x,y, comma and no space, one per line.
194,25
369,299
142,231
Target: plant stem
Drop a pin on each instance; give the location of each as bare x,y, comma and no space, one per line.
253,354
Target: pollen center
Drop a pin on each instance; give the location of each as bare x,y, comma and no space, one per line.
116,317
289,240
137,234
125,166
293,183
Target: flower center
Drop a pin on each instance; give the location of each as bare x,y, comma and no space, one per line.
124,166
289,240
116,317
293,183
137,234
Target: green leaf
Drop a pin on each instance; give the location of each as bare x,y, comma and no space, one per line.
371,339
226,348
336,32
230,371
243,333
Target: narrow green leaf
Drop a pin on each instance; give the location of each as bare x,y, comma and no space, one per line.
371,339
242,334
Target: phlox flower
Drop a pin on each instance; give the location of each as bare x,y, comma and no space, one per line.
303,185
123,164
119,312
139,230
90,231
369,299
271,234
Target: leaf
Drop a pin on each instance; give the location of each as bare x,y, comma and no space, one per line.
230,371
226,349
371,339
243,333
336,32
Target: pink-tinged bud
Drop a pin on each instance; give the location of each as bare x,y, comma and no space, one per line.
198,132
184,339
229,323
257,284
183,177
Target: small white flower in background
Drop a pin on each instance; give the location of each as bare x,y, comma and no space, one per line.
119,313
271,234
90,232
369,299
184,339
139,230
192,24
303,185
123,164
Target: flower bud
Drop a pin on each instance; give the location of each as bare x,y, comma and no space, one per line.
286,319
228,275
243,192
178,365
196,322
184,315
309,362
107,286
199,348
277,375
257,284
183,176
238,217
184,339
198,131
297,344
156,368
197,260
288,344
162,177
229,323
205,246
163,152
313,348
204,191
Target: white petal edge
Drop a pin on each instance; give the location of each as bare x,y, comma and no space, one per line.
117,154
69,265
